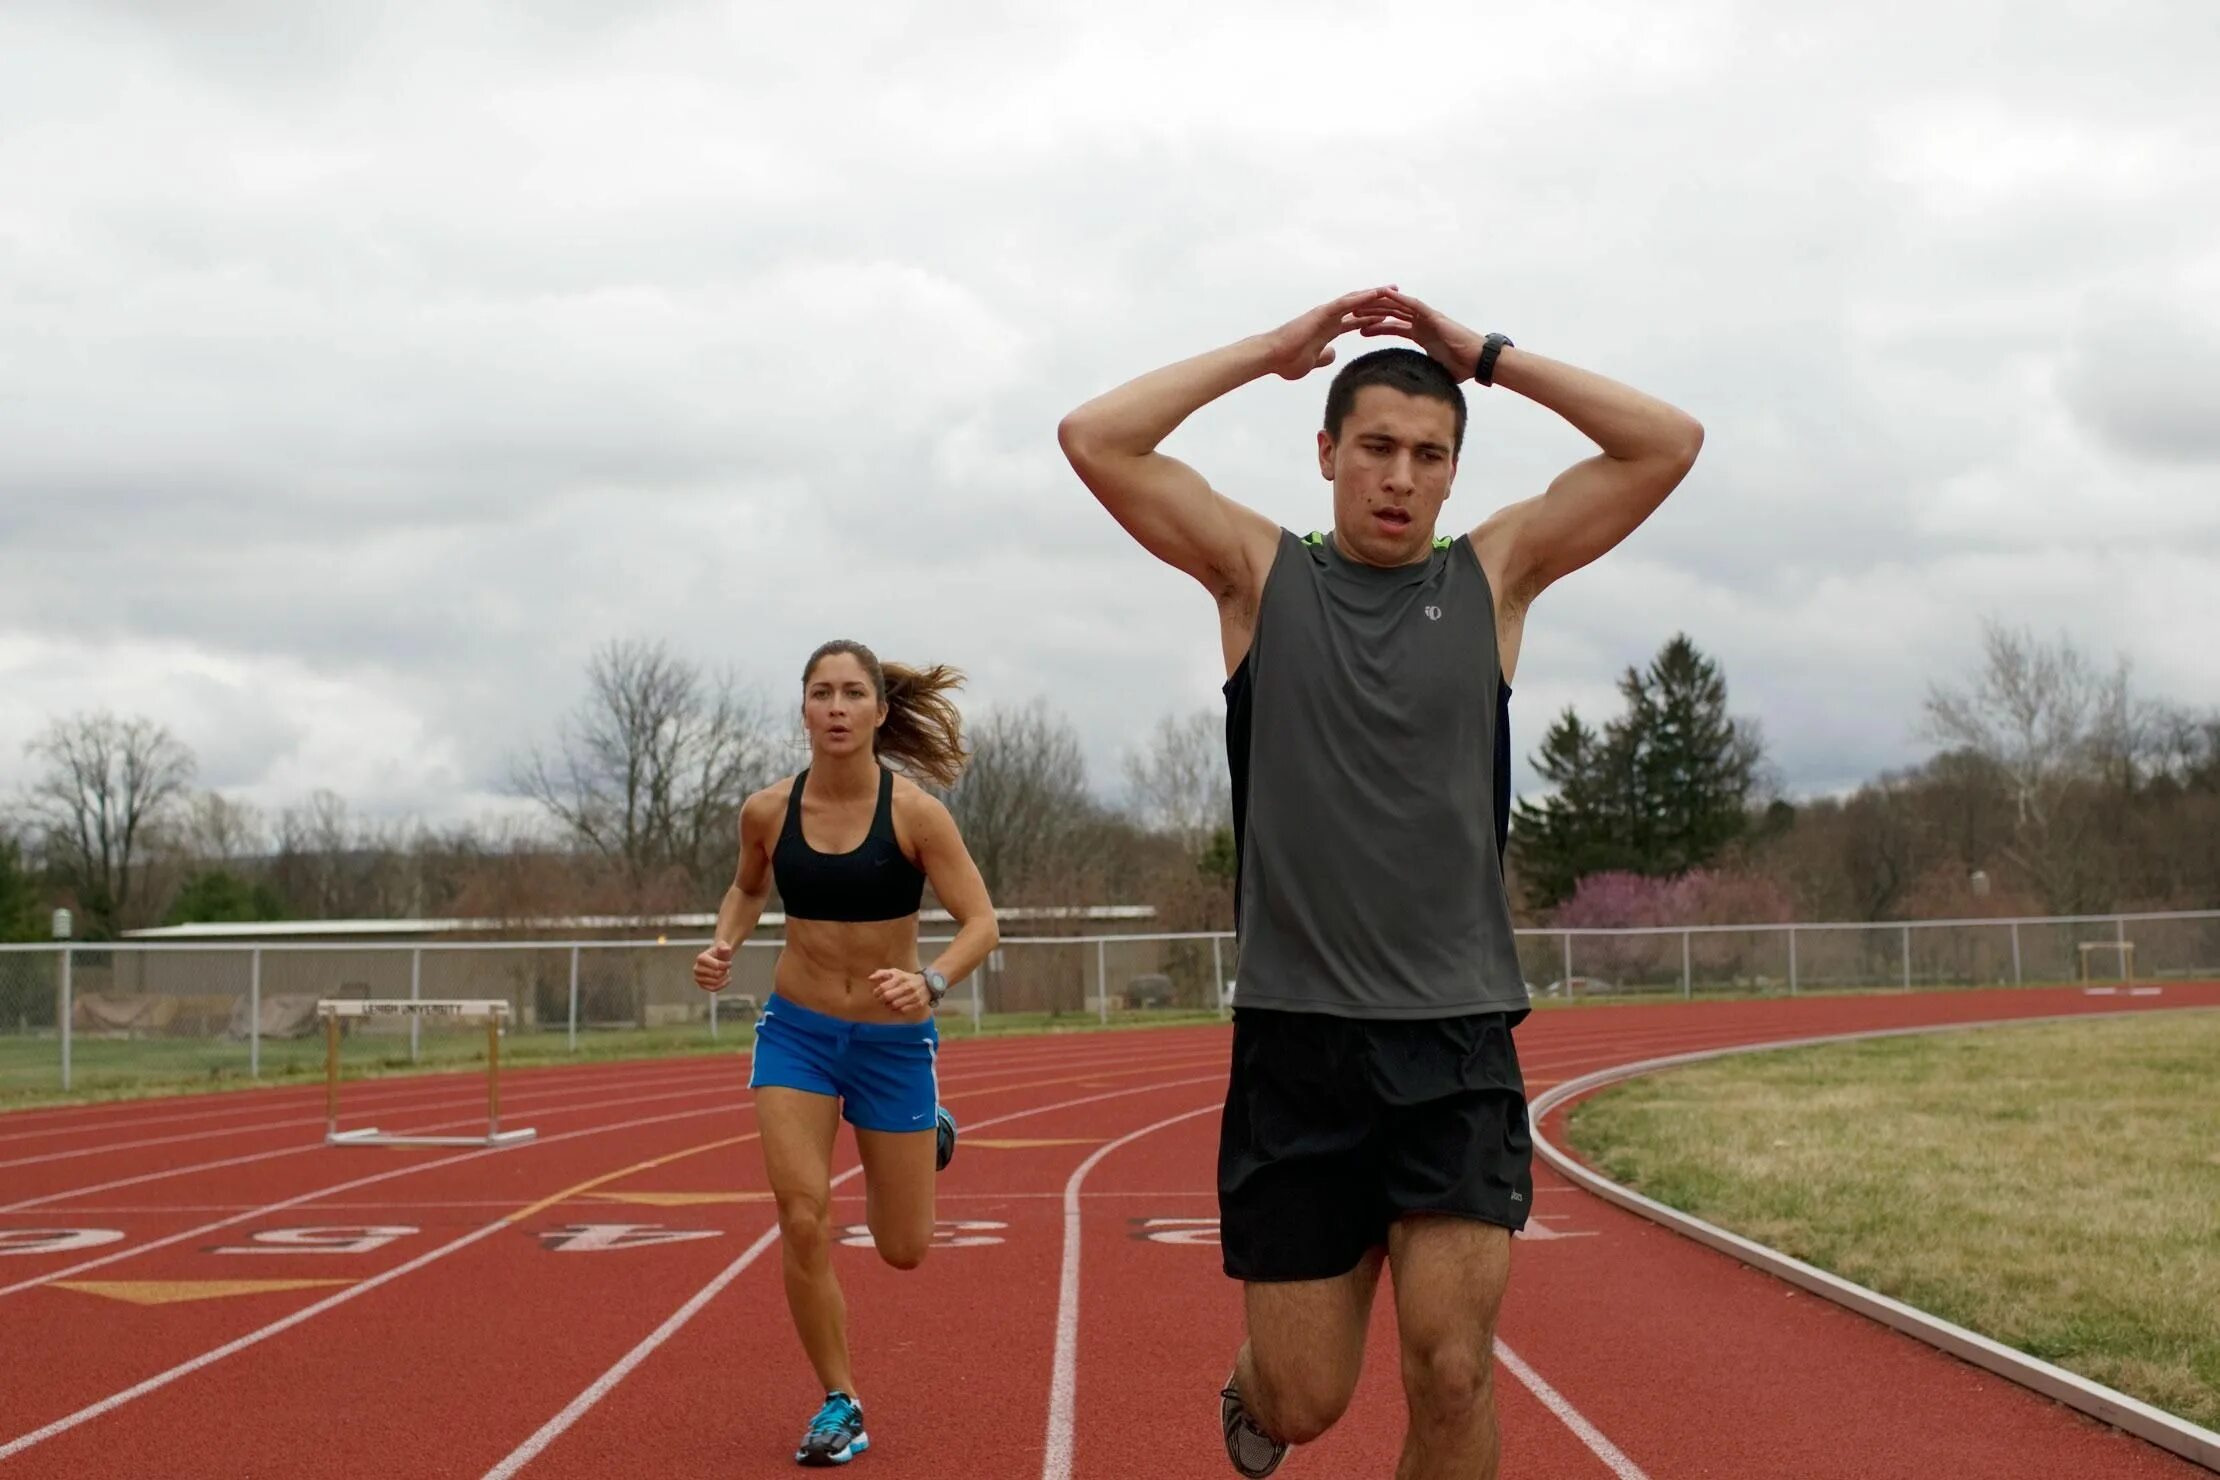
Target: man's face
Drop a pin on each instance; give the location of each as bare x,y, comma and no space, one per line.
1390,470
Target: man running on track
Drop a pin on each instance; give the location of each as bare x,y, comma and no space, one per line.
1375,1111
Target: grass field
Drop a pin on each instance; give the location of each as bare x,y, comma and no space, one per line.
120,1068
2054,1187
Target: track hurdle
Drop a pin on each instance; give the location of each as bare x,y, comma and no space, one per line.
493,1011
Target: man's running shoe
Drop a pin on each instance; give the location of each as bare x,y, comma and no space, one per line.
944,1138
1254,1453
835,1435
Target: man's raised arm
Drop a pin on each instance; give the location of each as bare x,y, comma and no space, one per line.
1162,502
1646,448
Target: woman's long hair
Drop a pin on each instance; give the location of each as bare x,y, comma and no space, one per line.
924,731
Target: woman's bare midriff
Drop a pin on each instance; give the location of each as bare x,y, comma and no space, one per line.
826,966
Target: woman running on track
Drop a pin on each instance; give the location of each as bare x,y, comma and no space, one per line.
849,1031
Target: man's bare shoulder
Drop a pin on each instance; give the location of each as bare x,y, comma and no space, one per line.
1260,541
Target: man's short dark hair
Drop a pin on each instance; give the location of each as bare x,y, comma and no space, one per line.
1405,370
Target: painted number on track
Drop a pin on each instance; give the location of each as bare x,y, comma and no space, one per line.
597,1238
1541,1232
948,1233
350,1239
55,1240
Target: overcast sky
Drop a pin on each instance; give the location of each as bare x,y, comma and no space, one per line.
358,376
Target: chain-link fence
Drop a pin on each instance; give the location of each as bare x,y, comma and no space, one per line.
1699,960
89,1018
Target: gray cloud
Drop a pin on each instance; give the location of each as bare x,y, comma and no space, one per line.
358,376
2146,381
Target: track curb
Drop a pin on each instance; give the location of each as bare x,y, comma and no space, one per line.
2177,1435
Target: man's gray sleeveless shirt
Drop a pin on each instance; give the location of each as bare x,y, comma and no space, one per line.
1368,735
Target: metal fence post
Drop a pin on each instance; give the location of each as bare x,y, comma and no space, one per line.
1791,960
69,1011
978,1008
574,999
1907,958
1568,966
254,1015
1102,976
713,996
416,986
1687,988
2017,979
1218,972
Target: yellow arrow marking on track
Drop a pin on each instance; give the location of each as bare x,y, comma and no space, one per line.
176,1292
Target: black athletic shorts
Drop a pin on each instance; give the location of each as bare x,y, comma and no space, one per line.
1336,1127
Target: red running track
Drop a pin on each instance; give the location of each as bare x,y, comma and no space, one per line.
195,1288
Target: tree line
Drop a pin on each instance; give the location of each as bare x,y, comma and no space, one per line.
635,798
2053,787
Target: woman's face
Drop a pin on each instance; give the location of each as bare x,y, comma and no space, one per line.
840,709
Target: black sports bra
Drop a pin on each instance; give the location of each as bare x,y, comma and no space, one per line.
875,881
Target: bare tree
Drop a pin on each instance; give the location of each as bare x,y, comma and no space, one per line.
1179,784
511,871
214,830
334,865
1023,804
2181,746
651,768
2044,714
202,854
312,857
108,783
2050,720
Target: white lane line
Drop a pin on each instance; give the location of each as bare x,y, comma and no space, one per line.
408,1205
1063,1392
312,1197
385,1096
1128,1064
409,1093
1572,1418
321,1193
318,1145
513,1101
278,1327
601,1387
209,1358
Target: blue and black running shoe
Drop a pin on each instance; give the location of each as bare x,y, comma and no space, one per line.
835,1435
944,1138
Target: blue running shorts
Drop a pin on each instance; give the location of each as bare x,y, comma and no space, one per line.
882,1073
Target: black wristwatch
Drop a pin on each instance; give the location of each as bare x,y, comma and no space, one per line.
936,985
1493,345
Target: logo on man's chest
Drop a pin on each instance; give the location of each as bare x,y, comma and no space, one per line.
1433,614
